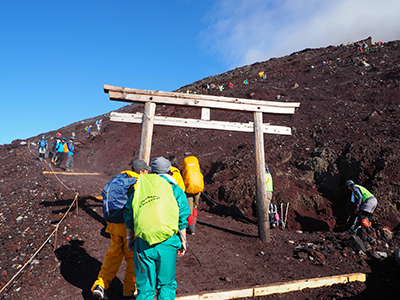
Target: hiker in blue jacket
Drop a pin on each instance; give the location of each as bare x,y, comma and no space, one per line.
60,152
42,146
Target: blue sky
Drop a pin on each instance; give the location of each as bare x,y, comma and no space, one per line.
55,56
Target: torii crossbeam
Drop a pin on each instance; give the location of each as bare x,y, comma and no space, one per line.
207,102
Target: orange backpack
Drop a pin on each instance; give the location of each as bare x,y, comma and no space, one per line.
192,177
65,148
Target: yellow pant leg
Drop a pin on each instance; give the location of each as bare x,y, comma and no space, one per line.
112,262
129,281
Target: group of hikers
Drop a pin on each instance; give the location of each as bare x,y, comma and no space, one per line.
149,210
60,149
98,123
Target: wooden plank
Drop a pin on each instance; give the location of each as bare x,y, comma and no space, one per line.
110,88
261,191
147,131
277,288
197,123
219,295
298,285
69,173
118,96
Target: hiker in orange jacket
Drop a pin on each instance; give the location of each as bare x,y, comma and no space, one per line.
194,184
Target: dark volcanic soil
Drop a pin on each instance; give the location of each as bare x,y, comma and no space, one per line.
347,127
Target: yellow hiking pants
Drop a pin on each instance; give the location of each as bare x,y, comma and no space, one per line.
116,252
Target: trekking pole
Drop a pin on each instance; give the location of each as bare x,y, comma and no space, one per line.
211,199
287,209
282,219
180,232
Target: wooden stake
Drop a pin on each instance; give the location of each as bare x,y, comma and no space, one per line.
147,131
77,206
261,189
55,239
69,173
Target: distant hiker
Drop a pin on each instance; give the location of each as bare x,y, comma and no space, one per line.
230,85
42,147
194,184
176,174
366,204
57,140
115,196
261,74
98,124
366,48
73,136
69,164
60,152
245,82
221,88
59,135
155,212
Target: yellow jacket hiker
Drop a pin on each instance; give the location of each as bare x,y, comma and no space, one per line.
118,250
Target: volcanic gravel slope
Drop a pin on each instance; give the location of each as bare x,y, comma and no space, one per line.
347,127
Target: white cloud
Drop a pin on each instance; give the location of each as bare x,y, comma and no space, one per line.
246,31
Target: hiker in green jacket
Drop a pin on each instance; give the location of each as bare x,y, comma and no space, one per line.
366,204
157,243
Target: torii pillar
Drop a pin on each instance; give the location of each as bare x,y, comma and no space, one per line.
147,131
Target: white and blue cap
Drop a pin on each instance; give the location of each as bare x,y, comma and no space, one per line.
160,165
349,182
266,168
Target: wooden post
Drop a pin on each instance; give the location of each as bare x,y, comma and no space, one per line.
147,131
261,191
55,238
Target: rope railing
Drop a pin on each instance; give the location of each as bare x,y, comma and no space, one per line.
53,233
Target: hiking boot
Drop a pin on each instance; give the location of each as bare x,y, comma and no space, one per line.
99,293
133,296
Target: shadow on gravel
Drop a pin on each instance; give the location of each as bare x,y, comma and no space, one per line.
310,224
227,230
83,205
81,270
383,281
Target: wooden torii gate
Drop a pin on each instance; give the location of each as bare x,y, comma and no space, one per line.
206,102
